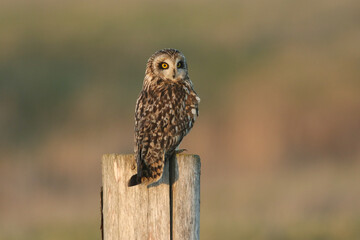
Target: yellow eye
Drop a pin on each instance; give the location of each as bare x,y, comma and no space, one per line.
164,65
179,65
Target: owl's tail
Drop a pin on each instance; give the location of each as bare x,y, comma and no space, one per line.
134,180
147,174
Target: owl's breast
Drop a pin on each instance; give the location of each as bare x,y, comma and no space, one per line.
183,109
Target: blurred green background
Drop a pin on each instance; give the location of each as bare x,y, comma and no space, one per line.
279,125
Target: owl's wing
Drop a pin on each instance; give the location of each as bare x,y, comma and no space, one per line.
148,150
142,128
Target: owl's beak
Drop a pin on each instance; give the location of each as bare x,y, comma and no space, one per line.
174,73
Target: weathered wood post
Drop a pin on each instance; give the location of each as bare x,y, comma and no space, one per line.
168,209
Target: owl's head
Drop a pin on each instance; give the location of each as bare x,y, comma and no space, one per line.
168,64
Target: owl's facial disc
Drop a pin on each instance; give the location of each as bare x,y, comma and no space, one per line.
171,69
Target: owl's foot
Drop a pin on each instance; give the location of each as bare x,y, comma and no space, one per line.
180,151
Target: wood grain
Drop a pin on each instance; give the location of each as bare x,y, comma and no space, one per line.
143,212
186,197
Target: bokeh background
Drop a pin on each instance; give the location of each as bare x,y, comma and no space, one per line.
279,125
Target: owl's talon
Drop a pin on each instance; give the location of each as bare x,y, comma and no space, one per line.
180,150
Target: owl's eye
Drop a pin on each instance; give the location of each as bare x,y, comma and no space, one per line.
164,65
180,65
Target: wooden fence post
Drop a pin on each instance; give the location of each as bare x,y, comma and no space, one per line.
168,209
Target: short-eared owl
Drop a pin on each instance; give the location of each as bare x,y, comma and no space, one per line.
165,112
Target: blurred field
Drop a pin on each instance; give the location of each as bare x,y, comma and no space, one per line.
279,126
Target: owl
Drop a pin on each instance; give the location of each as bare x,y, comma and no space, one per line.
165,112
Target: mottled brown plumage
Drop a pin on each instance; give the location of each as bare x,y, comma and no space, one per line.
165,112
